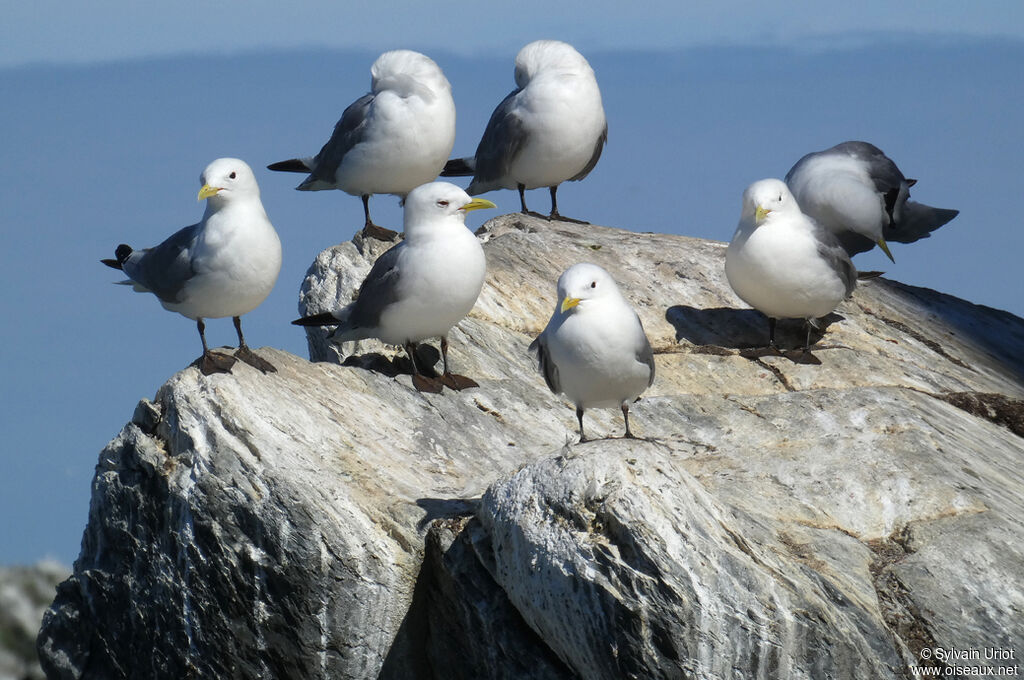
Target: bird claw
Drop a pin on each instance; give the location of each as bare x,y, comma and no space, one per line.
215,362
380,233
563,218
251,358
424,384
457,382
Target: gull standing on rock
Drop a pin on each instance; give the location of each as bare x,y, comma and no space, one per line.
224,266
389,141
782,263
422,286
549,130
857,192
594,349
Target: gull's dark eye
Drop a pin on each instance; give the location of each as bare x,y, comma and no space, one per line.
232,175
443,204
780,198
593,284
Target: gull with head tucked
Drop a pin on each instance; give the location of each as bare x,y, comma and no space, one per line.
422,286
550,129
594,349
782,263
225,265
389,141
857,192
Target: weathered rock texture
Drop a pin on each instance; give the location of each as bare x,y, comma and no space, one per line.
25,593
787,519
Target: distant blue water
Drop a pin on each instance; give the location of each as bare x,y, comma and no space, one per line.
98,155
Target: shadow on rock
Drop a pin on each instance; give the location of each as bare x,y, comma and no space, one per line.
740,329
426,357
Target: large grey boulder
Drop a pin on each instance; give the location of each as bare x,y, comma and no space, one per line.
25,593
788,517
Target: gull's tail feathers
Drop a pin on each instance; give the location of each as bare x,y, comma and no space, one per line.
459,167
919,221
121,254
321,319
291,165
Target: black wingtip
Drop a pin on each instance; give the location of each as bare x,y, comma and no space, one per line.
121,254
290,165
321,319
457,167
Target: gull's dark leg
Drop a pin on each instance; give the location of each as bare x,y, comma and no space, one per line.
522,203
807,343
452,380
625,414
421,382
246,354
372,230
212,362
554,209
579,417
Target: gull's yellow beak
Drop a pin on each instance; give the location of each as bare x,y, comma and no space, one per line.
568,303
760,213
885,248
207,191
477,204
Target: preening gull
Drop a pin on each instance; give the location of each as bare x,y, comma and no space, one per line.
225,265
389,141
857,192
594,349
422,286
549,130
782,263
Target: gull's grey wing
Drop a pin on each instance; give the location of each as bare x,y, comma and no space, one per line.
645,355
598,148
546,365
379,289
502,141
835,253
164,269
348,132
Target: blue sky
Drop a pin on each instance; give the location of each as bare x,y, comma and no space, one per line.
111,113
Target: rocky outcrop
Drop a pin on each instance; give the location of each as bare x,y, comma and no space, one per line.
787,517
25,593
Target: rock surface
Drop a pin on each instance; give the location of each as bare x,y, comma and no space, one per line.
25,593
789,517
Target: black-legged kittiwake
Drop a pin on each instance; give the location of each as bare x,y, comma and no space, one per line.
389,141
422,286
594,349
549,130
782,263
225,265
857,192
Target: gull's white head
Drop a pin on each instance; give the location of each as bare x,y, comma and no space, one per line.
584,284
227,179
765,197
549,56
408,73
438,205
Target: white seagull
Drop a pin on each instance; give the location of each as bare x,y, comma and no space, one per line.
594,349
422,286
224,266
549,130
389,141
782,263
857,192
